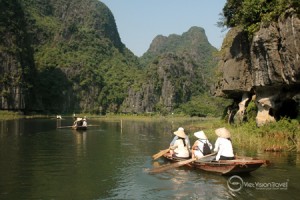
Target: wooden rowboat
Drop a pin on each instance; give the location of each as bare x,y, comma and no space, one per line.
240,165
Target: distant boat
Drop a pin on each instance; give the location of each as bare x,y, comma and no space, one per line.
80,124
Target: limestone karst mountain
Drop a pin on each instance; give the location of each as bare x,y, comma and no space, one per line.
265,69
178,68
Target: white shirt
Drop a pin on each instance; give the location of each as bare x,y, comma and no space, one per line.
224,148
181,150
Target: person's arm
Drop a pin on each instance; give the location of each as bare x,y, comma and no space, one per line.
188,143
173,141
195,145
217,149
174,146
210,145
217,145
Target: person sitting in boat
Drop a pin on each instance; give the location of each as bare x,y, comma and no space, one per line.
202,146
187,140
84,123
180,147
78,122
75,122
223,145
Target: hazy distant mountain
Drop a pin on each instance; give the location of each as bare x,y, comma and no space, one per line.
193,43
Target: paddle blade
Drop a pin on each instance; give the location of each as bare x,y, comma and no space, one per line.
159,154
267,162
171,166
64,127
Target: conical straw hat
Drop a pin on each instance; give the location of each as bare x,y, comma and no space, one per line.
222,132
200,135
180,132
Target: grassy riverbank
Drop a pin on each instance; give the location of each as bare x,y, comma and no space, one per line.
6,115
9,115
283,135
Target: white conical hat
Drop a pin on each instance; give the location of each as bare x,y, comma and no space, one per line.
222,132
200,135
78,119
180,132
180,129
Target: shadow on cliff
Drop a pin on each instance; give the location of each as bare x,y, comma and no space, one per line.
55,93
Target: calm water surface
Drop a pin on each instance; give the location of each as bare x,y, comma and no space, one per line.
110,161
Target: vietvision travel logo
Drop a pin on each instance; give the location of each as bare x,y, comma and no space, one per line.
236,183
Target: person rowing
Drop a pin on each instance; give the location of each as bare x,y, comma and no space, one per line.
180,147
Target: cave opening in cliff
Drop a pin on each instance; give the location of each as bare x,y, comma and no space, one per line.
288,109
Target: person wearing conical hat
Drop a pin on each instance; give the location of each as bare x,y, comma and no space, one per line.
180,148
223,145
202,146
84,122
187,140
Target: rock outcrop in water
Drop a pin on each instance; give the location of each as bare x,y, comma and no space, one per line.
267,67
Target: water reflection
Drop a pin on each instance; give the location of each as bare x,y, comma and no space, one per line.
14,127
38,161
80,141
58,123
292,159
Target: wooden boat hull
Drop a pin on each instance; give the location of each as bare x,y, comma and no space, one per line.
224,167
79,128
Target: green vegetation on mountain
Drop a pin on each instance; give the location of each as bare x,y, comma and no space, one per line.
81,62
180,73
193,43
16,56
65,56
204,105
250,13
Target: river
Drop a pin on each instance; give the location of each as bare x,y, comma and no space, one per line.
110,161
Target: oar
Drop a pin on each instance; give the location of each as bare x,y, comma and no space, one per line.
159,154
73,126
177,164
65,127
92,125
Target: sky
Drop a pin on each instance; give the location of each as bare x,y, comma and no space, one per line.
140,21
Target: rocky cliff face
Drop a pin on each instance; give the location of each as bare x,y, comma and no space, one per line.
59,56
267,67
16,58
168,84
